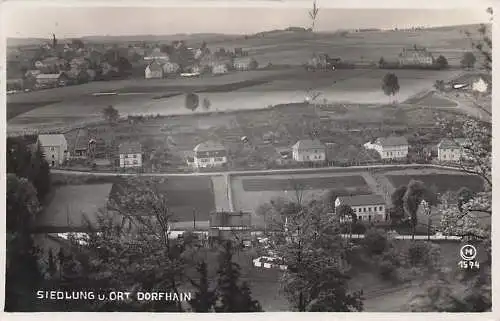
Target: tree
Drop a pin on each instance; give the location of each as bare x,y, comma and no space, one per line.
346,213
191,101
206,103
464,195
375,241
253,64
313,14
470,294
397,212
204,299
130,247
110,114
78,44
232,296
442,62
414,194
22,204
468,60
310,244
381,62
439,85
23,275
390,84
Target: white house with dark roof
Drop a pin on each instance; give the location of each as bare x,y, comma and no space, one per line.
153,71
130,154
309,150
451,150
392,147
54,147
209,154
368,208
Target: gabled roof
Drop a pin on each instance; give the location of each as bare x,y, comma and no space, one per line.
309,144
451,143
52,139
155,66
391,141
360,200
130,148
209,146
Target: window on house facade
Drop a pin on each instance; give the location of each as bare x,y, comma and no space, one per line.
364,209
135,162
380,208
52,149
369,217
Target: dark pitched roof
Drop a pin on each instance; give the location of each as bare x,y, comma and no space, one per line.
448,143
130,148
309,144
392,141
360,200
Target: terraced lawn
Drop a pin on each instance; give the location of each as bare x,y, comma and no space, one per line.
442,182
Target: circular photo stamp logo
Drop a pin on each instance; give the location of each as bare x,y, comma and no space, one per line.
468,252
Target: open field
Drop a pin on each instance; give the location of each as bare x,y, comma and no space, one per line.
435,100
283,184
267,88
442,182
250,193
71,205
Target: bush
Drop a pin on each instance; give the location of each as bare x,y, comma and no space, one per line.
419,253
375,241
387,270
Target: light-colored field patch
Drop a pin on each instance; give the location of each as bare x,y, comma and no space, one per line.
72,205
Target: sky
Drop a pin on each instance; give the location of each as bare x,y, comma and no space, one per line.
68,22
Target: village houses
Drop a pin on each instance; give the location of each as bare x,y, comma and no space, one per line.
55,148
392,147
170,68
219,69
451,150
130,154
415,57
209,154
154,71
368,208
51,80
308,150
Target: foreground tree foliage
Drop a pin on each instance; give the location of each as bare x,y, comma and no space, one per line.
308,240
231,295
467,291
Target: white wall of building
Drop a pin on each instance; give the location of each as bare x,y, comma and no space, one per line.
204,162
311,155
130,160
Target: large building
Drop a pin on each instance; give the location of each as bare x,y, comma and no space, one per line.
130,155
415,57
209,154
451,150
308,150
231,225
55,148
392,147
368,208
51,80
